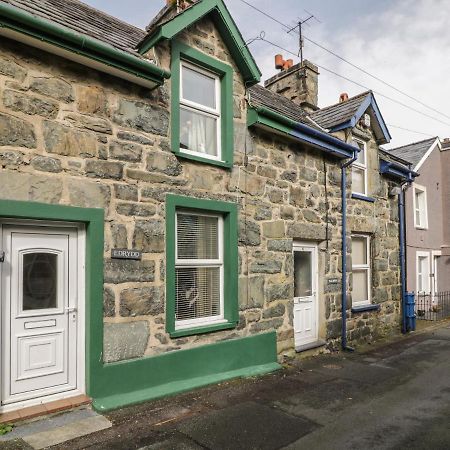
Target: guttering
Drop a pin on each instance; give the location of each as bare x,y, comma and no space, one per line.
259,115
344,166
16,20
397,170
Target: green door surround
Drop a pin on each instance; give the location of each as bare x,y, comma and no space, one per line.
123,383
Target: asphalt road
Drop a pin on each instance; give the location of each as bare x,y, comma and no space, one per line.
392,397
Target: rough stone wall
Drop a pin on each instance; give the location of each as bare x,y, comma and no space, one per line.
70,135
379,220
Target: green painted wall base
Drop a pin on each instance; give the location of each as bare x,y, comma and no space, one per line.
130,382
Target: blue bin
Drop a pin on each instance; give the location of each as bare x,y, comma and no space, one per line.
410,311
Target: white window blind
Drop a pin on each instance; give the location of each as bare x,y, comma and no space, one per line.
199,270
199,112
360,270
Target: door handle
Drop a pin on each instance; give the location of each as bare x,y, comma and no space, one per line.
71,309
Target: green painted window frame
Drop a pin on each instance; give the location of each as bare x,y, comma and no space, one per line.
182,52
228,211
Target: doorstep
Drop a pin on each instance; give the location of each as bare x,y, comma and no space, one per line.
43,409
310,346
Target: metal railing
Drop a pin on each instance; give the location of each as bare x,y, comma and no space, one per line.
432,306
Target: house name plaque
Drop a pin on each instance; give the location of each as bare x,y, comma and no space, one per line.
123,253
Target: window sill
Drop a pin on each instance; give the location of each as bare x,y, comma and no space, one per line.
202,330
364,308
420,228
213,162
363,197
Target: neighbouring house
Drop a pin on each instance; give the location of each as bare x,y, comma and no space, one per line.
428,216
166,221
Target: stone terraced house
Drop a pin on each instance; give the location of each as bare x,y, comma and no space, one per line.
166,221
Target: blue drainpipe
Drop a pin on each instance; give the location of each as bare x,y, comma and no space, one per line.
344,249
401,213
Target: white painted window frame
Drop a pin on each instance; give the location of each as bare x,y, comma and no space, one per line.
421,254
360,166
435,255
364,267
192,263
423,214
202,109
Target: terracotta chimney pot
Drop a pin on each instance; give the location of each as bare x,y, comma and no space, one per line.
343,97
279,62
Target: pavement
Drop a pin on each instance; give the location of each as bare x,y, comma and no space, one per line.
394,396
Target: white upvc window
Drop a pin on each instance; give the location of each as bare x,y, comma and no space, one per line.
420,207
198,270
359,169
200,112
361,286
423,272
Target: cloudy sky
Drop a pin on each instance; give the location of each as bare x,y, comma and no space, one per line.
403,42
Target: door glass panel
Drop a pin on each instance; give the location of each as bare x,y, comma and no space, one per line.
302,274
39,281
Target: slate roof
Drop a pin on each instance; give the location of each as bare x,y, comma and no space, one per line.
260,96
86,20
388,156
339,113
413,152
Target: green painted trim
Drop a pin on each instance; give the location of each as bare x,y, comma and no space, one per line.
281,124
203,330
226,26
299,131
231,306
183,370
94,222
52,33
182,52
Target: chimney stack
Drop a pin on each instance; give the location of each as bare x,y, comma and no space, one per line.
298,83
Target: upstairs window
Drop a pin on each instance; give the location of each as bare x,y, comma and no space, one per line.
202,107
361,287
199,112
420,207
359,169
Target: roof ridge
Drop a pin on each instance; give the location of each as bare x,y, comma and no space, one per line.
342,103
413,143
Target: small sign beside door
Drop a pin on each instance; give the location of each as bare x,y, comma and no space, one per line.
123,253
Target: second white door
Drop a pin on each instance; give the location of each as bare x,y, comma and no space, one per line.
305,294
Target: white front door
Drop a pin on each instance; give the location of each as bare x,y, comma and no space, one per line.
39,299
305,294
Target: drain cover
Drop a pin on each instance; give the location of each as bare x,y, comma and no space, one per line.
246,426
